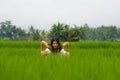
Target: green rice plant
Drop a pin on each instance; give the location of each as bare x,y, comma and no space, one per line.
88,45
88,61
19,44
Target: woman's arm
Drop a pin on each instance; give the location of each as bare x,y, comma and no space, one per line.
66,44
44,43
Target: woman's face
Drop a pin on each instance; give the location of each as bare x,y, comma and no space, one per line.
55,44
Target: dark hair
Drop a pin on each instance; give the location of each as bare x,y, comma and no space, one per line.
59,45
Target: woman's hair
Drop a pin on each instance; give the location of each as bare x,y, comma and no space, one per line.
58,42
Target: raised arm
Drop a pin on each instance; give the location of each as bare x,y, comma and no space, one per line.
44,43
66,44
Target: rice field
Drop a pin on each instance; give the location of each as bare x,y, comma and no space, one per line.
20,60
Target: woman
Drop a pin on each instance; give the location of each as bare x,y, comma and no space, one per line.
55,47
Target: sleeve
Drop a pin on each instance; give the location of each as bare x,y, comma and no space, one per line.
63,51
47,50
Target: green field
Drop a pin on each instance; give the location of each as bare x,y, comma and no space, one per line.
88,61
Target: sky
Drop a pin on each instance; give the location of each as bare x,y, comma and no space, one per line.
42,14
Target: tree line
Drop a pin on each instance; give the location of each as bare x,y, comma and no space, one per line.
65,32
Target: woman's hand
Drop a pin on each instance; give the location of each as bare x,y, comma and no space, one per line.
66,44
44,43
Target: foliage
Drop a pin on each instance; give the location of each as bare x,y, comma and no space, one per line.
34,34
92,61
65,32
7,30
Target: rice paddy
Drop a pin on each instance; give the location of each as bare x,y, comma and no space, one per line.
21,60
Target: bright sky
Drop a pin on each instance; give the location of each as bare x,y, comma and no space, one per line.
43,13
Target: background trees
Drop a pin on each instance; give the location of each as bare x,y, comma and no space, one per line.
64,31
7,30
106,33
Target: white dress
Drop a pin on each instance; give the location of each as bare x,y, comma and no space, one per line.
61,52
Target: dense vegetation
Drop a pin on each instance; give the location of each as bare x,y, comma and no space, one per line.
65,32
88,61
